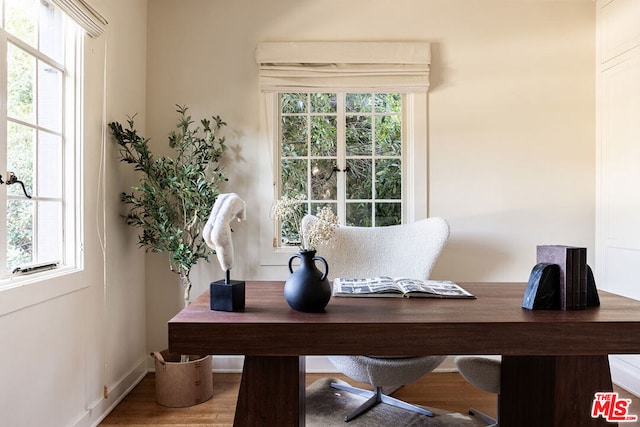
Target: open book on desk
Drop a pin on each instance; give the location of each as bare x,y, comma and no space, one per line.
388,287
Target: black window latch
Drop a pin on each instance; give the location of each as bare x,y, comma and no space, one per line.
13,179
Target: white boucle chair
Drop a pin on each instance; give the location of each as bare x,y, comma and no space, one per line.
408,250
484,373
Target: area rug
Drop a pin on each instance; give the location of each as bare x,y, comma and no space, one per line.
327,407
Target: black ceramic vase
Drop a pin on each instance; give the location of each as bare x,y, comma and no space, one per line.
307,289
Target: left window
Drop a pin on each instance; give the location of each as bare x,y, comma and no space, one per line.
40,51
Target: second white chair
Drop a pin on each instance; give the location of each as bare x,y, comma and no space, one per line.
484,373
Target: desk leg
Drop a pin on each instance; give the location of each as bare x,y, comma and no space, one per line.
272,392
553,391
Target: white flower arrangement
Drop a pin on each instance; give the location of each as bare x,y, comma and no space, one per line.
313,231
320,230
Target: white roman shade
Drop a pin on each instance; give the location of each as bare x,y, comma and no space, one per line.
370,66
84,15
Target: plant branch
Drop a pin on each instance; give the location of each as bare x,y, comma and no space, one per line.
175,195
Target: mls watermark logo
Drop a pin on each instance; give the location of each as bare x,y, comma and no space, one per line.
612,408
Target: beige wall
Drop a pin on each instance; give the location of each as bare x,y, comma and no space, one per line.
59,353
511,117
125,328
511,162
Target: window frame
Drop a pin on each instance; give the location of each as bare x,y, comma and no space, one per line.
342,66
71,170
414,160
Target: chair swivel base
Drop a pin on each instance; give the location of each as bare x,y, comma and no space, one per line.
491,422
377,396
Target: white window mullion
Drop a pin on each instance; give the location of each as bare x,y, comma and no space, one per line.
373,163
341,157
403,158
3,154
309,163
34,156
72,151
34,52
71,95
34,203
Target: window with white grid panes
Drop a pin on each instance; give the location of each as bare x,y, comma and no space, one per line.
39,49
343,150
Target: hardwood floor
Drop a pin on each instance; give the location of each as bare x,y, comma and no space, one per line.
444,390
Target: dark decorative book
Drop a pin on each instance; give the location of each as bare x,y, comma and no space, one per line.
582,278
572,261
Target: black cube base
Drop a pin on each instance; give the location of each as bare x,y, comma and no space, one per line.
227,296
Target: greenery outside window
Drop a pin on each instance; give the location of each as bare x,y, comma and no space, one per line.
40,51
342,150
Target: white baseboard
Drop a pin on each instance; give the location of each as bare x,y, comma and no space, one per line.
98,410
320,365
228,363
625,372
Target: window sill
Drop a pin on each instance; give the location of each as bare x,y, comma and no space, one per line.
278,256
24,291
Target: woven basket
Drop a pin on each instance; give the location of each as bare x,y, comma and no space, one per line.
180,384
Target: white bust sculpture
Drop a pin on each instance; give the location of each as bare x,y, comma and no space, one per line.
217,231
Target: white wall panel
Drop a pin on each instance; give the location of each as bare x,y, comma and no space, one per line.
618,157
620,23
621,150
622,276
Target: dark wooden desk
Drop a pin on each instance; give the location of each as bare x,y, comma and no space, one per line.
553,361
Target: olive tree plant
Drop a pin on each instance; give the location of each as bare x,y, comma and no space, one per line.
175,195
